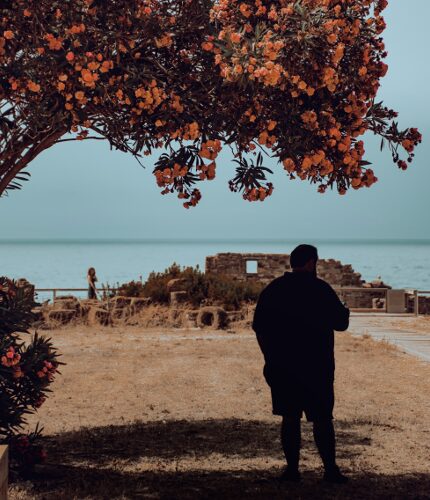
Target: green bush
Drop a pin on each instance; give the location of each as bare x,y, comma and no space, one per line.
27,370
213,289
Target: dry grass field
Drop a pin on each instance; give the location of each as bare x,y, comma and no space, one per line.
186,415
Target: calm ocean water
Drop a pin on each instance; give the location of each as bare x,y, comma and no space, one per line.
62,264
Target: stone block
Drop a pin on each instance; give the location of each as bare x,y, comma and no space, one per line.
120,312
98,316
120,301
62,316
177,285
178,298
138,303
212,317
66,302
190,318
396,301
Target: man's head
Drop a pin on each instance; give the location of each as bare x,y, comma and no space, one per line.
304,258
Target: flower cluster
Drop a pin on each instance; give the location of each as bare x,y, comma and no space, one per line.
47,372
298,78
25,452
11,359
332,88
26,371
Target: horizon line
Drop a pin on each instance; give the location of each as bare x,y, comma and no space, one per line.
119,240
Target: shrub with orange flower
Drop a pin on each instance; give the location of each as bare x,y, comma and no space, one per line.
26,371
297,79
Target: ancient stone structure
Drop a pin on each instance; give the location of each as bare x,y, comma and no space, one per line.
265,267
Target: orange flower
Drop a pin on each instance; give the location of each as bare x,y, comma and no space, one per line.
306,163
332,38
34,87
207,46
70,56
8,34
271,125
289,165
245,10
235,37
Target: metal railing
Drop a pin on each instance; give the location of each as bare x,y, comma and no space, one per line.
55,291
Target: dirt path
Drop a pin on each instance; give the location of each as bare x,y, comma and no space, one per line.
177,414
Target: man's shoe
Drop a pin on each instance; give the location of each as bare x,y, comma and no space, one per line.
334,476
290,475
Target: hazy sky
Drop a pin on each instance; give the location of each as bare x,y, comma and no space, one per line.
83,190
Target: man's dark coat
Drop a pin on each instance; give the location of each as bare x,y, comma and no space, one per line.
294,322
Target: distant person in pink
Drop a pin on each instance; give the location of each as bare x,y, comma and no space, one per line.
92,278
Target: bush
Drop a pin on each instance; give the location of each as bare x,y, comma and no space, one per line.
210,288
26,371
131,289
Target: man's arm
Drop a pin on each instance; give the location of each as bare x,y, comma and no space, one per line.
337,312
261,320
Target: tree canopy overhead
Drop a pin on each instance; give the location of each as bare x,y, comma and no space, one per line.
296,80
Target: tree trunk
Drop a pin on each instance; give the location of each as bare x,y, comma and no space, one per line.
10,169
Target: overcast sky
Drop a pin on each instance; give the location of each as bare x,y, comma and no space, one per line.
83,190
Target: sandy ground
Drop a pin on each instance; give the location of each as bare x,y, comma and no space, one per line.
186,414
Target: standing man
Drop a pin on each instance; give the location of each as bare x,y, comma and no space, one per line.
294,322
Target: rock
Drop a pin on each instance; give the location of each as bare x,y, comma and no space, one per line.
62,316
178,298
176,318
190,318
91,302
98,316
69,302
138,303
212,317
177,285
120,301
120,312
234,316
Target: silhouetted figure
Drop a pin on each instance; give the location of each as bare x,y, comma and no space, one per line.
294,322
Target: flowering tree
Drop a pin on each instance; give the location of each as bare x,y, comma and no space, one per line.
26,371
296,79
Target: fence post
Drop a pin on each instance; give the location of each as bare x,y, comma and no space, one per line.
416,303
54,294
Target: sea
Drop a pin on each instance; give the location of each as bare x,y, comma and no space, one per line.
64,264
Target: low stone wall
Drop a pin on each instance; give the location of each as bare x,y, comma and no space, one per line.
374,299
68,310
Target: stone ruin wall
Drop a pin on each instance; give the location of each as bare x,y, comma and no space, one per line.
270,266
